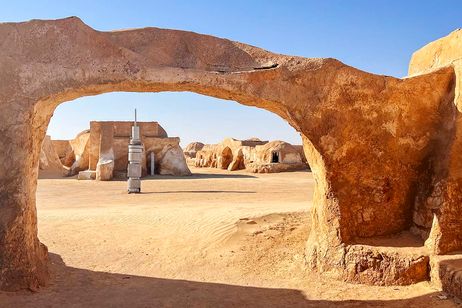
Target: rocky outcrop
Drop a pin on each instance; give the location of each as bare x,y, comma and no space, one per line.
370,140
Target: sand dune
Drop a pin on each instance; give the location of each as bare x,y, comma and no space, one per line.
215,239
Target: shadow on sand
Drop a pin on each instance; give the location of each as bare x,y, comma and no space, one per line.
198,176
201,192
73,287
194,176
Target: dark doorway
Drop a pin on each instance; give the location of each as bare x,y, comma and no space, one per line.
275,157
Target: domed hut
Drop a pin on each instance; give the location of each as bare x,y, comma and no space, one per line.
276,156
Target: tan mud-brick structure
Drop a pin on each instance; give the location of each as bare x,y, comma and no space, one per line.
114,136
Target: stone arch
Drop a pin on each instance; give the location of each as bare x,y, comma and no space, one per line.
364,135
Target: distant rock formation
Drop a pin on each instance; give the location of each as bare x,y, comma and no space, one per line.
277,156
252,154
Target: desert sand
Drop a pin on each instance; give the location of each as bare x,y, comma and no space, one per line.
215,239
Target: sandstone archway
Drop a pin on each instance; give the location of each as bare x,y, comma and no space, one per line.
368,138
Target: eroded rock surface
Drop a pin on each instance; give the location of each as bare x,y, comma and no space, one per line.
372,265
105,166
438,206
81,152
446,273
191,149
64,151
368,139
50,165
173,162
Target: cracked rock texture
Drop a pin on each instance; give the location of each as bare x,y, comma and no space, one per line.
438,204
370,140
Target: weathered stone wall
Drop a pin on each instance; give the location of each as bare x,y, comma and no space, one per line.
191,149
438,206
287,153
119,135
50,165
63,149
207,156
81,152
253,155
115,135
301,151
289,158
229,152
168,156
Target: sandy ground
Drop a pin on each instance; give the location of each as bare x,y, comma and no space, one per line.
215,239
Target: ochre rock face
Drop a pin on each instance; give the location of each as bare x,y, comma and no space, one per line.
369,139
438,207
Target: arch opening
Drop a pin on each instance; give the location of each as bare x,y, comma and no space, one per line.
227,155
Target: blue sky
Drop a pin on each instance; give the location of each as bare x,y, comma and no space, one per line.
376,36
